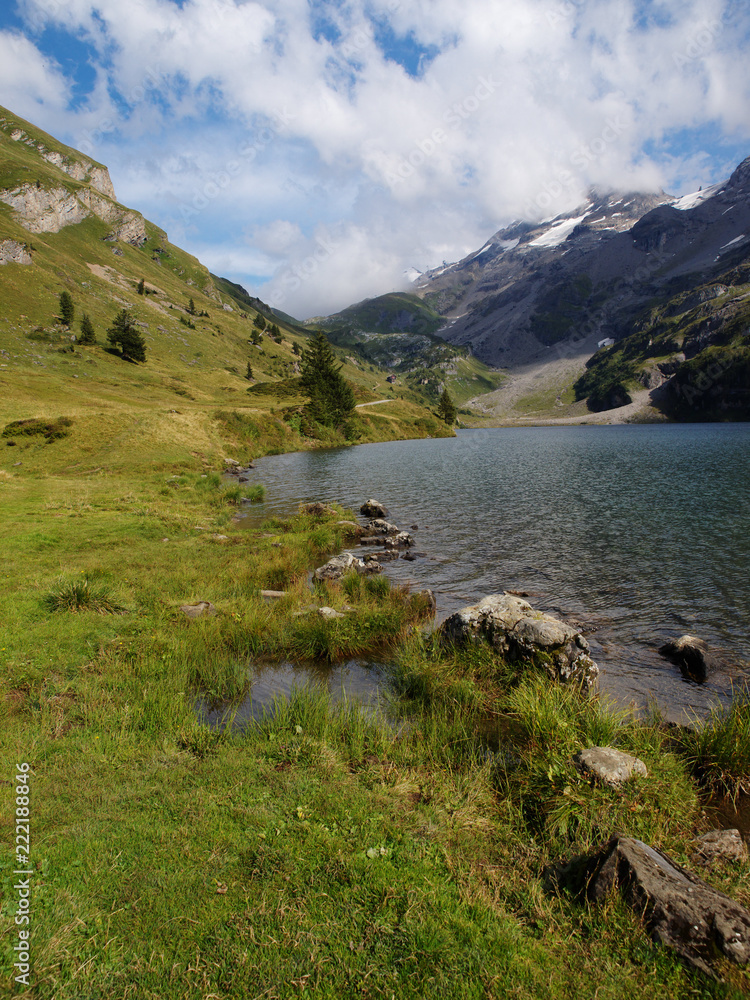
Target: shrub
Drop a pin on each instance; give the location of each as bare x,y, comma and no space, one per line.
51,430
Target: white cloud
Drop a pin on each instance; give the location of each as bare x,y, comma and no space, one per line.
231,125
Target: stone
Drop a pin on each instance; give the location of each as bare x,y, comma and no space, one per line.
378,526
273,595
429,598
198,610
329,613
512,627
220,538
336,567
679,909
611,767
720,845
692,655
317,510
373,508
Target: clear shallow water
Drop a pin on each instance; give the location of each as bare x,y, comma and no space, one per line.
640,533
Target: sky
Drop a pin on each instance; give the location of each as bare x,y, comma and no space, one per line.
315,150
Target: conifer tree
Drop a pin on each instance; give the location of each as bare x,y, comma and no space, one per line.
447,409
124,334
87,335
331,397
67,309
141,287
191,307
249,374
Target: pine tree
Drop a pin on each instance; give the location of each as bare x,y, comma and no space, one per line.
295,348
123,334
191,307
259,322
67,309
331,397
87,335
141,287
249,374
447,409
256,338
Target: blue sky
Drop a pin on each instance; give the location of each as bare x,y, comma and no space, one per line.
314,151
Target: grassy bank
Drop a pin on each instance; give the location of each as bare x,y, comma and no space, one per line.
324,852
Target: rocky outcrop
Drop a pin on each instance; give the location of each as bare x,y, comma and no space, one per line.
693,657
611,767
680,910
512,627
80,169
12,252
720,845
48,210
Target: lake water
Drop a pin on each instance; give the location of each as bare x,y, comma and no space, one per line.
640,533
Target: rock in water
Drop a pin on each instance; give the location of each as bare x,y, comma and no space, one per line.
373,508
680,910
692,655
515,629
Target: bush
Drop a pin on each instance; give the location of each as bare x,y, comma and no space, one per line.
79,595
51,430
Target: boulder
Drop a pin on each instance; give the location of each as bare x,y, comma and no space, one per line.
379,526
692,655
373,508
336,567
198,610
403,540
720,845
515,629
611,767
679,909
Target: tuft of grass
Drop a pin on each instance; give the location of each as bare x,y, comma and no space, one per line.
718,749
80,595
256,493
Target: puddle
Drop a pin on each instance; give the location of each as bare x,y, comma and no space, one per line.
359,680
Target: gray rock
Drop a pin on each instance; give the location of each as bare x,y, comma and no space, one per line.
693,657
198,610
720,845
516,630
403,540
329,614
373,508
381,527
336,567
610,766
680,910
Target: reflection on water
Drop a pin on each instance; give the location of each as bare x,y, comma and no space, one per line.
355,679
640,533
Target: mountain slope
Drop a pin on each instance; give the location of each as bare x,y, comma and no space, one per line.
62,229
538,299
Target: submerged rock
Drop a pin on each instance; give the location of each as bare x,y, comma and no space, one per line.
610,766
515,629
381,527
693,657
680,910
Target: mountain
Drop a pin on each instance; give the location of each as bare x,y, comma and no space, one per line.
397,331
62,229
538,299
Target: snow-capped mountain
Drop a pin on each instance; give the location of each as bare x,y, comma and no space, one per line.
537,284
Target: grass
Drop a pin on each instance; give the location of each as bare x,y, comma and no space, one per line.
718,748
80,595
